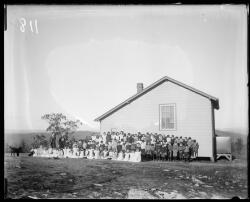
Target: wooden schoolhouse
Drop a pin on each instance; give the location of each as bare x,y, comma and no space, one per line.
167,107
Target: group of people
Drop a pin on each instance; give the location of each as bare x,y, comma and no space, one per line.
126,147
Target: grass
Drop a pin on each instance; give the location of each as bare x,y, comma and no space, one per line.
83,178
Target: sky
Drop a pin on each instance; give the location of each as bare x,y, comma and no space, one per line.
84,60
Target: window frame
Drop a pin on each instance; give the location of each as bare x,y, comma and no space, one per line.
175,117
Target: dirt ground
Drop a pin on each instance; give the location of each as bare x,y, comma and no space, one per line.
36,177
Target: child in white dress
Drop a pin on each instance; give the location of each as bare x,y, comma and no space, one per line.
41,152
45,153
64,152
55,153
109,146
87,152
132,156
81,154
105,154
97,153
137,155
70,153
111,154
75,151
60,153
35,153
114,157
126,155
49,152
120,156
91,154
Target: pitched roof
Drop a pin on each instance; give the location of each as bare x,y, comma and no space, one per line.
214,100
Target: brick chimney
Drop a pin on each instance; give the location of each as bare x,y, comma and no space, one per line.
139,87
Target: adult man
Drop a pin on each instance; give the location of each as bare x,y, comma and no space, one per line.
157,150
148,138
61,143
189,143
104,138
108,138
170,151
152,152
181,151
186,153
148,151
52,141
164,152
196,148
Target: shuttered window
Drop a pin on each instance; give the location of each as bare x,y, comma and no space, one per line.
167,117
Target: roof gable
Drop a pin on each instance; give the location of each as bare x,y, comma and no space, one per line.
214,100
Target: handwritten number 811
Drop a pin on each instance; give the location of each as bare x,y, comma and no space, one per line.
23,24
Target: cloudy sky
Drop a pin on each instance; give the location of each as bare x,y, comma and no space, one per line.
84,60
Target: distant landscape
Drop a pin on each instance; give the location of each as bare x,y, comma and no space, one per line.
16,138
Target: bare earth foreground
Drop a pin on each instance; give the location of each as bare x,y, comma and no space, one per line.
102,179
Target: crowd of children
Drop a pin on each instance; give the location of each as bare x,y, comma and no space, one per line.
126,147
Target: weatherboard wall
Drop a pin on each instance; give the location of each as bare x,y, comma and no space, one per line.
193,115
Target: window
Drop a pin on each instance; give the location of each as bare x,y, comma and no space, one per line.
167,117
